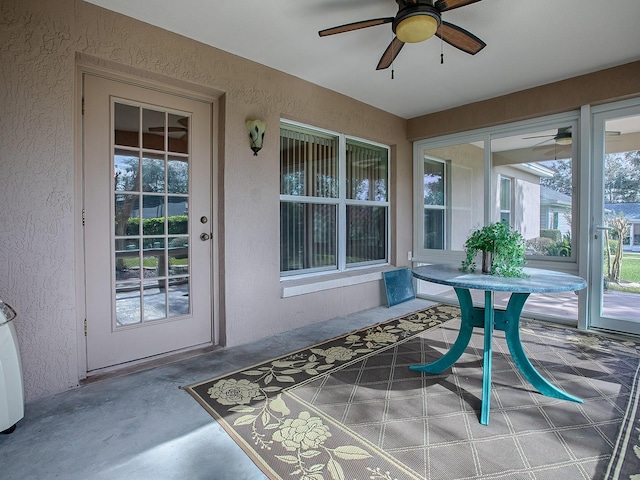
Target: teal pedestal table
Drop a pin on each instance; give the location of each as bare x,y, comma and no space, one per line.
490,319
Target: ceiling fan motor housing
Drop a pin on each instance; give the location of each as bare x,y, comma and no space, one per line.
415,21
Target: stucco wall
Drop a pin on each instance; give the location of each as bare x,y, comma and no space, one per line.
38,262
616,83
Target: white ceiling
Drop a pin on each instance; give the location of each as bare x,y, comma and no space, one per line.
529,43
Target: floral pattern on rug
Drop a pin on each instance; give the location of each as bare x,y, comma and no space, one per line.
305,443
270,411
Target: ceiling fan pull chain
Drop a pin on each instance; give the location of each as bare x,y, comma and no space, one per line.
442,49
392,56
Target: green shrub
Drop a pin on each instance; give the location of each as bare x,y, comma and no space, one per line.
561,248
552,233
177,224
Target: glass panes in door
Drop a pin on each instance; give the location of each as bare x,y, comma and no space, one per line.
151,214
620,297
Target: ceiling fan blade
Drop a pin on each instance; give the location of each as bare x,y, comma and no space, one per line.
444,5
171,129
355,26
460,38
390,53
538,136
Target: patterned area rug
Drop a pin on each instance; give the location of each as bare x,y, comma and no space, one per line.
349,408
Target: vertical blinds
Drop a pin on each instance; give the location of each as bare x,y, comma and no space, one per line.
310,169
366,172
308,164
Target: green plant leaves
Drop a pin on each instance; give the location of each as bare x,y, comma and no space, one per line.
507,246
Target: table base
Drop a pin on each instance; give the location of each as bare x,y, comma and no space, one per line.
489,318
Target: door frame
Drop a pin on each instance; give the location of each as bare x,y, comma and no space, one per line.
597,118
120,73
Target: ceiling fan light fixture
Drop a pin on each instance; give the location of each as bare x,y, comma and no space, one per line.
415,22
416,28
563,138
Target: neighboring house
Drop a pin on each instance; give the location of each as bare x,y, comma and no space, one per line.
631,212
555,210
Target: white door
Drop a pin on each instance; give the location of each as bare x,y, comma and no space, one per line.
147,221
615,283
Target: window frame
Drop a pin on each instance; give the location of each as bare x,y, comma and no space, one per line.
508,210
484,137
446,200
341,203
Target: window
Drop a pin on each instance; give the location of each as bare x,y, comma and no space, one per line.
505,200
523,174
449,180
534,172
334,208
435,203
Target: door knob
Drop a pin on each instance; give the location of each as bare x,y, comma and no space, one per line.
204,237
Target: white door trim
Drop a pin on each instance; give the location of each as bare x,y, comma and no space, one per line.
87,64
599,115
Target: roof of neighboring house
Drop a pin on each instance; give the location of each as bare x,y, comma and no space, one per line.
553,197
631,210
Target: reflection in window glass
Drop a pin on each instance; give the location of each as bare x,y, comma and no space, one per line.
453,196
536,168
178,133
154,300
153,173
128,304
324,227
434,227
433,183
127,259
307,236
179,298
153,129
308,163
153,211
126,125
505,200
151,202
366,171
177,175
366,234
127,215
434,204
125,170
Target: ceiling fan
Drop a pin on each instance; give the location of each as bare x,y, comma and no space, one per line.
182,127
563,136
416,21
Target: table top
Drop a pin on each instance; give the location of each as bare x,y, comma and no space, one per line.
537,280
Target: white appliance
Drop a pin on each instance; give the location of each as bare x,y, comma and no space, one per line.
11,386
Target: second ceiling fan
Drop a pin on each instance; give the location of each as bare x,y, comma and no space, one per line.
416,21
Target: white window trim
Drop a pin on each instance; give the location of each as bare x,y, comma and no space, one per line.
291,281
510,210
483,138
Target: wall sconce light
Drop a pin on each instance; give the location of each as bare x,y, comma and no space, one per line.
256,130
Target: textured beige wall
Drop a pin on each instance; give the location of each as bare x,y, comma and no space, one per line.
40,43
616,83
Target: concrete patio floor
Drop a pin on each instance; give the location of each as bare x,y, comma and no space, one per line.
143,426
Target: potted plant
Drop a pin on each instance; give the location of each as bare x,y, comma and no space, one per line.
502,250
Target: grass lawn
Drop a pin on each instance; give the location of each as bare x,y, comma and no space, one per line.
629,272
